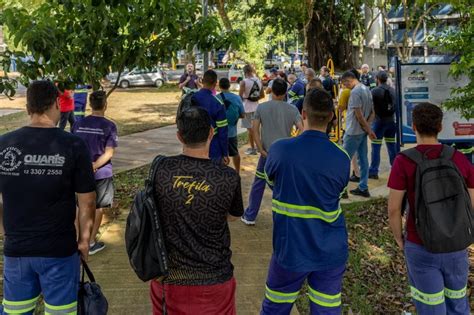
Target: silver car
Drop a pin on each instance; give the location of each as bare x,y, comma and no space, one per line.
143,77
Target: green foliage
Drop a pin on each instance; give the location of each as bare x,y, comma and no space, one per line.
461,43
329,27
76,41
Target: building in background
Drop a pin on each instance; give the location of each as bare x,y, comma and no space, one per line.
443,18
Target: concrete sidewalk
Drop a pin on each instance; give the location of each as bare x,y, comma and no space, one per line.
252,246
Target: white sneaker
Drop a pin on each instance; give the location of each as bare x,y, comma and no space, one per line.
247,222
249,151
254,152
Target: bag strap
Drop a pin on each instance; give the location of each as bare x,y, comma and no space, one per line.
447,152
414,155
154,168
86,270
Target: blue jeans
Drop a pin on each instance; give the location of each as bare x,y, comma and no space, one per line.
384,130
437,281
25,278
358,143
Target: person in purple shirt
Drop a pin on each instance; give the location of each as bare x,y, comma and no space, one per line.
189,80
100,135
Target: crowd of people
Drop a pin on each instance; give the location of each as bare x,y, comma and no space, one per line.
54,186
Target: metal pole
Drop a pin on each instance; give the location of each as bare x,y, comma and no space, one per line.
205,59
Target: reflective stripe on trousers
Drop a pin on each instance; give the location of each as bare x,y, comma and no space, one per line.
19,307
280,297
60,309
326,300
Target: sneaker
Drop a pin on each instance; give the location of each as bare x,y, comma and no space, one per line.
249,151
354,178
359,192
97,247
254,152
375,176
247,222
345,195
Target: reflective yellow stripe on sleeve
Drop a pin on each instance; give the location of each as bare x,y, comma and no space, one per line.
221,123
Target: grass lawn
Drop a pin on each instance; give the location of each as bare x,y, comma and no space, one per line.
133,110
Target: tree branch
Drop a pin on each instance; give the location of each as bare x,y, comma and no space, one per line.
418,25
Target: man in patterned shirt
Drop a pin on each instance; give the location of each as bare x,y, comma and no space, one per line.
196,196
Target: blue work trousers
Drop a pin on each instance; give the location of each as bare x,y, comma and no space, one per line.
25,278
384,130
438,282
256,194
283,286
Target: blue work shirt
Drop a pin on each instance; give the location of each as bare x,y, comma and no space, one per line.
236,101
80,98
219,144
309,230
296,94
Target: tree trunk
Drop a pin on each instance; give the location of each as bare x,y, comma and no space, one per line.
223,15
322,45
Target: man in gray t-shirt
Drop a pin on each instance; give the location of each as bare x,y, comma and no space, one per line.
273,120
360,111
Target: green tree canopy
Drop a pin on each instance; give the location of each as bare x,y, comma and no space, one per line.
461,43
81,41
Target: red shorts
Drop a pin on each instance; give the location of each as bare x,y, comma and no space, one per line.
218,299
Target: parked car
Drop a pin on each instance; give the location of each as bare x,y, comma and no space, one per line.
140,77
236,73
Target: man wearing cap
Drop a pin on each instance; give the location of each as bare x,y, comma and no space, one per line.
384,124
366,77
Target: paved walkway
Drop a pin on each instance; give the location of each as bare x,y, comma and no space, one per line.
251,245
5,112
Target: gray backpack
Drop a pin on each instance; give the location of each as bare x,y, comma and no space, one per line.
443,216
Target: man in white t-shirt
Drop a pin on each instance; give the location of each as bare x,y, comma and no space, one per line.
251,91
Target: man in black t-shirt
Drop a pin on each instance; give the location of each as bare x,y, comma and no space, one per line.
384,125
41,170
196,196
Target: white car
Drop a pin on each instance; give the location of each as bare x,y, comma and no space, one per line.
140,77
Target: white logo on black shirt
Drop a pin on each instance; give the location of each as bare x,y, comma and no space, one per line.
45,160
10,159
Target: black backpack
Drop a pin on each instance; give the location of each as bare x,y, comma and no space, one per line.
143,235
254,94
443,216
187,101
386,108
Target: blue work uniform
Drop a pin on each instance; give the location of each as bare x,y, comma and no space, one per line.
384,126
215,107
80,101
296,94
465,148
368,79
309,230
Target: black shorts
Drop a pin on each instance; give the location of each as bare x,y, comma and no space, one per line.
105,192
233,146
